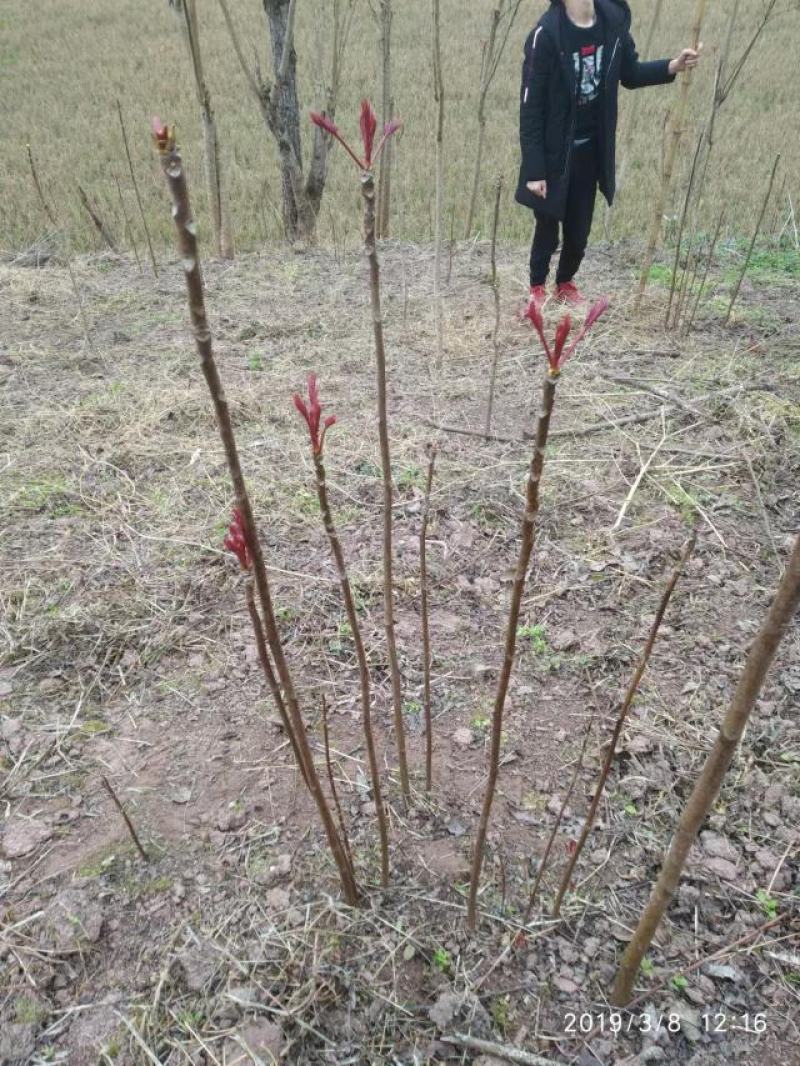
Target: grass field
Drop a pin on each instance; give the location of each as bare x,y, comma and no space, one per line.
62,66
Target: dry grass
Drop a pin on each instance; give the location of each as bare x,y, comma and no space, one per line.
63,64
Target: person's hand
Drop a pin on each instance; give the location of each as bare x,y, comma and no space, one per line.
538,188
687,60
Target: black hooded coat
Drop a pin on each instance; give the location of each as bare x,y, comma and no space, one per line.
548,102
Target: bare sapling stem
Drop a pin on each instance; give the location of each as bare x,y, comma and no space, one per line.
250,545
386,15
674,136
125,818
759,659
135,184
622,717
751,249
512,625
491,56
368,194
332,782
98,223
554,833
127,223
39,191
361,655
269,673
210,136
557,356
679,242
688,323
495,284
427,660
438,96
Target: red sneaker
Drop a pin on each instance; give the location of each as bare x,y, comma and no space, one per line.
538,297
568,293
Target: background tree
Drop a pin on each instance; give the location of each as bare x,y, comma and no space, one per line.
302,185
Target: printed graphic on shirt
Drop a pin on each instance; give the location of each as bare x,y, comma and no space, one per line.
588,65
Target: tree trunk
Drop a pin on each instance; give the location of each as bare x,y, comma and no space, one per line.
286,117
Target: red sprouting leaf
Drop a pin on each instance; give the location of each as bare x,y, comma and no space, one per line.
330,127
562,333
596,311
163,135
389,130
311,412
236,540
324,123
369,124
534,315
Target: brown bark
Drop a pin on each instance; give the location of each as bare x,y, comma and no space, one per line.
361,657
520,579
759,659
622,717
172,166
368,194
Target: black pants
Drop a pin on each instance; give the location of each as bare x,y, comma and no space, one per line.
577,223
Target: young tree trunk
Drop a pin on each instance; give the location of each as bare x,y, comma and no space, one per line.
368,194
762,652
674,135
387,114
520,579
299,221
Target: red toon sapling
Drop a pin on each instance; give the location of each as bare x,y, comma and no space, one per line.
365,163
557,356
243,535
311,412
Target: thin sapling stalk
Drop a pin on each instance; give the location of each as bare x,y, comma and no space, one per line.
311,412
174,174
427,660
557,356
622,717
365,164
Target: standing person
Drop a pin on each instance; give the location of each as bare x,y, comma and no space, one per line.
575,59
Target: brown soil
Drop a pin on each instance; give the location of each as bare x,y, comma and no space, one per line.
128,654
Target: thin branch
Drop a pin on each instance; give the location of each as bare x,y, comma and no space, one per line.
125,818
633,688
136,189
751,249
567,797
